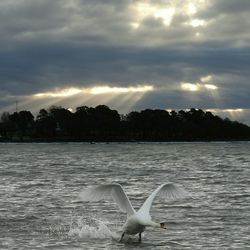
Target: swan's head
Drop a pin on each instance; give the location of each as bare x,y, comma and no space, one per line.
163,225
156,225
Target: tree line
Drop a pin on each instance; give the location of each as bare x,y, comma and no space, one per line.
104,124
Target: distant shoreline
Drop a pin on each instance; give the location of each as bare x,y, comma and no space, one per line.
63,140
102,124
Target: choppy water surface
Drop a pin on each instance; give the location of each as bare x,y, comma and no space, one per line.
40,183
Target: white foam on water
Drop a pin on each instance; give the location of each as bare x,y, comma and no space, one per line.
91,228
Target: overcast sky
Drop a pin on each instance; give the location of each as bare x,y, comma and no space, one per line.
127,54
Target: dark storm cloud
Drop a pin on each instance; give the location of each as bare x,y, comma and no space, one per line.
228,7
46,44
43,21
58,65
25,17
228,22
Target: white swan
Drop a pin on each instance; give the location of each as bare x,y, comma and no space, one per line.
136,221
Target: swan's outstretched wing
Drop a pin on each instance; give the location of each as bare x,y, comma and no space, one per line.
108,191
167,190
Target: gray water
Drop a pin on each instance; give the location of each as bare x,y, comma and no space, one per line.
40,184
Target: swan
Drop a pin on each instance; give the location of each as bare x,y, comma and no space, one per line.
137,221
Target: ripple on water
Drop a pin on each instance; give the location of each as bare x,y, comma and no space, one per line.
40,183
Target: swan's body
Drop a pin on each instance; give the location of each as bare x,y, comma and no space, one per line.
137,221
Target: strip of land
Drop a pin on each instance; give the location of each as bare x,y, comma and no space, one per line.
102,124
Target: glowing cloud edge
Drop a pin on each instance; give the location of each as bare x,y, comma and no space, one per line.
96,90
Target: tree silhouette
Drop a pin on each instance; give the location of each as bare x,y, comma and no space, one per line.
45,124
104,124
19,124
62,118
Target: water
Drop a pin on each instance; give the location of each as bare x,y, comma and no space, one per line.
40,183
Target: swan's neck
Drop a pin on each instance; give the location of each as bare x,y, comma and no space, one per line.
154,224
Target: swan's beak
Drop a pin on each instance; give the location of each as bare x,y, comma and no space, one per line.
163,225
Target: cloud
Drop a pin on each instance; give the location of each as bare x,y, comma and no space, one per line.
31,69
62,44
97,90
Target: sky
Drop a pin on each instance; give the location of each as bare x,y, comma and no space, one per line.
127,54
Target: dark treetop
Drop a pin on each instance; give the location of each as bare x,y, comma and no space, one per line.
103,124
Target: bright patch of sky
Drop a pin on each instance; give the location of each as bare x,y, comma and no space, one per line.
96,90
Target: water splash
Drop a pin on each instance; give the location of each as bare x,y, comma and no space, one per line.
90,228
